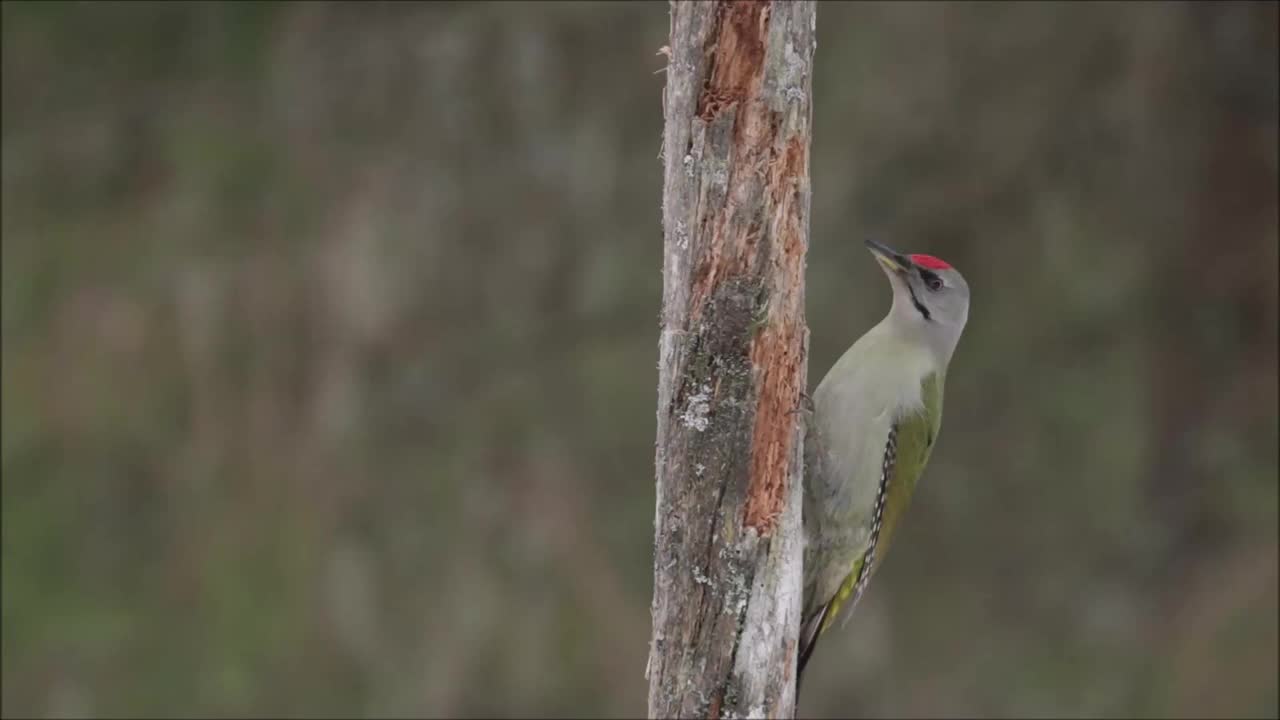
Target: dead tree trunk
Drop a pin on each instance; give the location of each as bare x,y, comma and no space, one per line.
727,559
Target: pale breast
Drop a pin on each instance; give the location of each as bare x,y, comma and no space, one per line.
876,382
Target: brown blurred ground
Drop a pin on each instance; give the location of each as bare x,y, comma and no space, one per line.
329,336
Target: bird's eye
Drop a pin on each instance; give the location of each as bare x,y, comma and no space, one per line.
931,281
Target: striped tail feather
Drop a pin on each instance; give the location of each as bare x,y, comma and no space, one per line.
810,631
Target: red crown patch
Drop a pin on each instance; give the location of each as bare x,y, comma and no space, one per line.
930,262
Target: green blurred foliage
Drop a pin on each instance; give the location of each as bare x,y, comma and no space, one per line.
329,341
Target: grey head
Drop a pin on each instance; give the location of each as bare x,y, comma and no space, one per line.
930,298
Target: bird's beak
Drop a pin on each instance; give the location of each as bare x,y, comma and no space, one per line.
891,259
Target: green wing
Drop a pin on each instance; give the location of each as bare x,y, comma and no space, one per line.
906,454
907,451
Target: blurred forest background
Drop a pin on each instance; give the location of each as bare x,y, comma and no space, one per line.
330,331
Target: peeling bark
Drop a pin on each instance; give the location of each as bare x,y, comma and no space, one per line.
728,538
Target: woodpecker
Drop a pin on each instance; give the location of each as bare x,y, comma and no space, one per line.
872,424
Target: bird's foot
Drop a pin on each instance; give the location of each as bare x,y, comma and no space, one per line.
806,404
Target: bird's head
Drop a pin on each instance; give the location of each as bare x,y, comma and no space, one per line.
930,298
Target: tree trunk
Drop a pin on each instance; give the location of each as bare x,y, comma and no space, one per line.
727,557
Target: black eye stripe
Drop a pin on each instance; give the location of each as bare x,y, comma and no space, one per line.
924,311
931,279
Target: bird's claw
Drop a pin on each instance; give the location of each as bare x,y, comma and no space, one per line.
806,404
